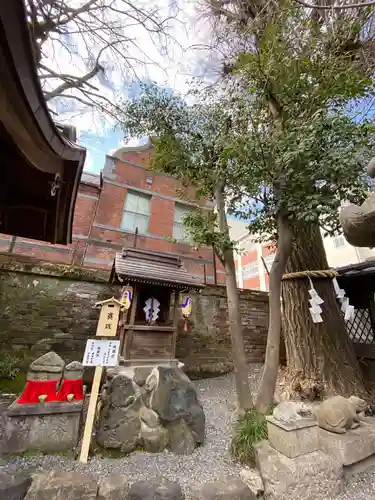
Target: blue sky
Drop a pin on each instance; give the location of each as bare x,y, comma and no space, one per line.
102,140
98,146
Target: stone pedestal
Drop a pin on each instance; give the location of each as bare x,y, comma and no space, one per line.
48,427
355,450
293,439
313,476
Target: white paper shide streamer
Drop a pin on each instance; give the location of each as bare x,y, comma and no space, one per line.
346,308
152,309
315,303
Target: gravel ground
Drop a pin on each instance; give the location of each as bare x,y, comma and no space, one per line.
209,462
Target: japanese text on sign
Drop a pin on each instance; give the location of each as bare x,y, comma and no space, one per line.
101,353
108,320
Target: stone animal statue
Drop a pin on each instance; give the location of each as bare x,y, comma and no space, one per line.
358,222
338,414
290,411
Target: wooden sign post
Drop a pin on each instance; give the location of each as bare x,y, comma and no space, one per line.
100,353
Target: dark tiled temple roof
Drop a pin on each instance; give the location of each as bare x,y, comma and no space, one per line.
145,266
38,160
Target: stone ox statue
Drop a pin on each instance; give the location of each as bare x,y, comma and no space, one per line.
358,222
338,414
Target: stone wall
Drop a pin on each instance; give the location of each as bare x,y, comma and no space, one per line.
206,347
51,307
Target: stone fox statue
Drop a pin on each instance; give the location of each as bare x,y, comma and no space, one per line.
338,414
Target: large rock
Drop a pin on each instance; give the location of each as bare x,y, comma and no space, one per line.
119,424
181,439
154,439
156,489
113,487
230,489
119,391
314,476
149,417
14,487
119,427
62,486
173,396
165,410
141,374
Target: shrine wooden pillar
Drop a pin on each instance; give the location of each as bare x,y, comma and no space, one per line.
176,315
128,331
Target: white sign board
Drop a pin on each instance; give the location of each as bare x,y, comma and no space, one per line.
101,353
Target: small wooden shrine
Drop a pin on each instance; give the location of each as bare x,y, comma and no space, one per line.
155,294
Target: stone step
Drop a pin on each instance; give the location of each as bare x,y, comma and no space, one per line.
314,476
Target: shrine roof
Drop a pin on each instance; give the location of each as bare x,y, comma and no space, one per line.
40,166
146,266
364,268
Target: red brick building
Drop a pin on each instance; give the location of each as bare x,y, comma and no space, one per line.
126,195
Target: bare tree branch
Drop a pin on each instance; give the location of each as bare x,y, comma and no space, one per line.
103,40
72,82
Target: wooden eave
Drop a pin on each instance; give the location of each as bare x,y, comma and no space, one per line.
33,150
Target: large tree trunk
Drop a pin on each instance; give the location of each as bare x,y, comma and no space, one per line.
271,365
244,397
320,357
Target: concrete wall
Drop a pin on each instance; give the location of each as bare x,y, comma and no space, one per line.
51,307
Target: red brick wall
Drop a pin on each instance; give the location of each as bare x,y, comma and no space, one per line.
83,215
111,205
136,175
161,217
141,157
97,235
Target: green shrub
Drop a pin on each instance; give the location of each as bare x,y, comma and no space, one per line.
9,366
15,386
248,430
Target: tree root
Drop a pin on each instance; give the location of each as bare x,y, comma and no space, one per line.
295,385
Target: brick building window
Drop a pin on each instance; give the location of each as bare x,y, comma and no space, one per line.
136,212
250,270
179,230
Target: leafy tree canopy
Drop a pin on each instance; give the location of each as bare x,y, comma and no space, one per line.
275,132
